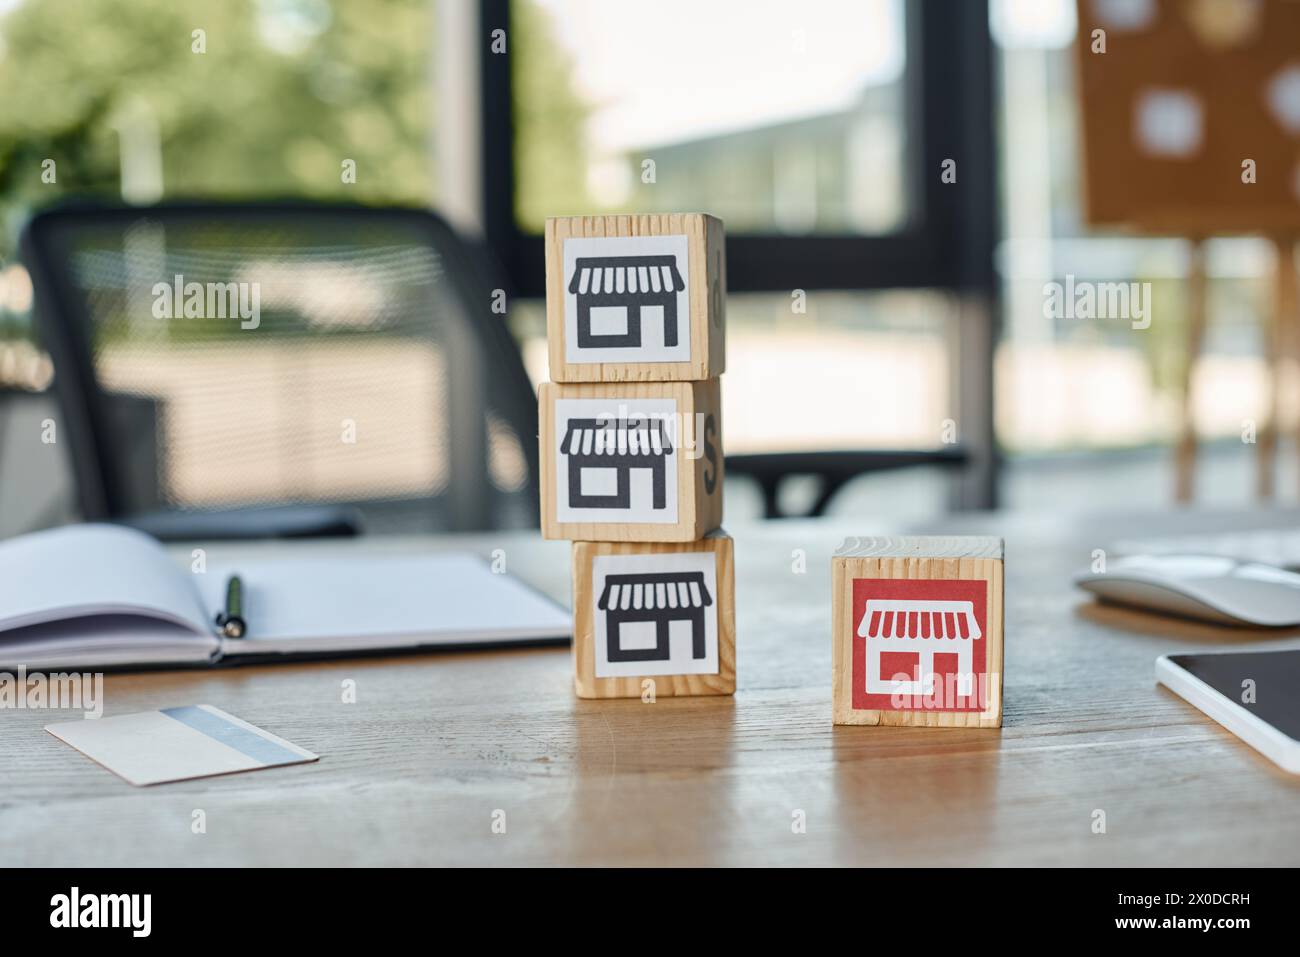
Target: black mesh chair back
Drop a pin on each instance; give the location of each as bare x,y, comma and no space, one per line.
217,357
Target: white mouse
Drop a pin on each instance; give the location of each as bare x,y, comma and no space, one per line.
1212,588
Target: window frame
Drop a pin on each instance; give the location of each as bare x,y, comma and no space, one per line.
947,242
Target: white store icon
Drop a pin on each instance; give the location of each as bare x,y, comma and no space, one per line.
923,628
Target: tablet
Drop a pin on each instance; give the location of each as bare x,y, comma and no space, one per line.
1254,694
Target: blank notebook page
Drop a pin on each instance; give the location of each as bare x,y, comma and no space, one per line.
300,604
82,570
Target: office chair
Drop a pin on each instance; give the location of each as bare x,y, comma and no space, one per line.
281,369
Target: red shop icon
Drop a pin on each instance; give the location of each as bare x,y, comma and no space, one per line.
919,644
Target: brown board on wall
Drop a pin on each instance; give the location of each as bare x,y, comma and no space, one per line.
1185,92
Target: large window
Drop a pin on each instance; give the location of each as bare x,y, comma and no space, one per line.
1067,385
777,118
143,100
819,132
153,99
147,100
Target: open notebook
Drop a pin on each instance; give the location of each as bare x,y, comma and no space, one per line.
103,596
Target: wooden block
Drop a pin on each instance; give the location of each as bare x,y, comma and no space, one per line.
631,462
654,618
636,298
917,632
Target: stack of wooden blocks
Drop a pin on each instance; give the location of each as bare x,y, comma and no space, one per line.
631,451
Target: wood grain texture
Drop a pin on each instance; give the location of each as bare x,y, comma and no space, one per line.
921,546
966,558
700,467
587,685
707,281
412,772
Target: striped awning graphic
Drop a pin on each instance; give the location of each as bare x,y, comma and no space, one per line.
616,437
619,275
898,618
666,590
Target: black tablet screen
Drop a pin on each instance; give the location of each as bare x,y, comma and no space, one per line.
1276,677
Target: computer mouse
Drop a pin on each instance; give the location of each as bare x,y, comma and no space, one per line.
1211,588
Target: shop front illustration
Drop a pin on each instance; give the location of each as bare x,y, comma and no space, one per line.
614,449
625,285
919,644
658,599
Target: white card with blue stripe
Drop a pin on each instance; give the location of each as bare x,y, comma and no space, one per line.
176,744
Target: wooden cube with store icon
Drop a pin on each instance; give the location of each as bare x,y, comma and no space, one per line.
636,298
655,619
630,462
917,631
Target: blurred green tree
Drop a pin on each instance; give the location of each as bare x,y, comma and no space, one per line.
283,93
550,119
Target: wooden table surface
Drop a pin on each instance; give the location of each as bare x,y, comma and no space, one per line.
436,746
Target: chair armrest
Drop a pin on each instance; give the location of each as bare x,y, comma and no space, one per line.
835,469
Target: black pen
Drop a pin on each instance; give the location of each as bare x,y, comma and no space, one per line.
231,621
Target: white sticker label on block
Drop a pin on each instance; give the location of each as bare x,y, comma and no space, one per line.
616,460
655,614
626,299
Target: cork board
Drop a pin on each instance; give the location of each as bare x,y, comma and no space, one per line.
1185,92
